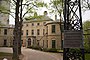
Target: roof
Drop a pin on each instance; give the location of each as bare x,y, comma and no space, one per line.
38,19
53,22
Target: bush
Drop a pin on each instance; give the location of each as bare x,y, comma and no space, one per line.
35,47
52,50
45,49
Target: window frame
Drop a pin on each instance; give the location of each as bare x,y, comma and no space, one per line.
5,31
53,29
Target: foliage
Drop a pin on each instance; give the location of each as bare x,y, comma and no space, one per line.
87,56
86,25
3,54
56,6
86,5
33,17
46,49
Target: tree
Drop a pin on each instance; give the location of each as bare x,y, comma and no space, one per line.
57,7
19,6
86,27
86,5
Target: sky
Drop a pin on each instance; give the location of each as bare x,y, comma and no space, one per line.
85,15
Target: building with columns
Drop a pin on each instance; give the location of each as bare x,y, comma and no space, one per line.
43,32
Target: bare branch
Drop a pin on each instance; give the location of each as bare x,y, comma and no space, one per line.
27,11
14,1
7,13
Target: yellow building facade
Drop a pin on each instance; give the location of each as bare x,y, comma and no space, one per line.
6,36
44,33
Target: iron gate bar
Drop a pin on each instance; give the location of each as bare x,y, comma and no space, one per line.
73,21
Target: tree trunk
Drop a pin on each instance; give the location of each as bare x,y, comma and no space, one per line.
61,30
16,32
20,30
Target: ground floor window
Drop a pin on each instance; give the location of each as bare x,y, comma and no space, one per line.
5,42
47,43
43,43
53,43
21,41
29,42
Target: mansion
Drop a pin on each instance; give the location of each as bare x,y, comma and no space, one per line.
43,32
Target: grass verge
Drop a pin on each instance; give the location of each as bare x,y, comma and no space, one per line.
87,56
5,55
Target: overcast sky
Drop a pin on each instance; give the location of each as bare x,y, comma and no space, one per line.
85,15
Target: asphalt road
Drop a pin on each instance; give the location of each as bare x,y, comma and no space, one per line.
30,54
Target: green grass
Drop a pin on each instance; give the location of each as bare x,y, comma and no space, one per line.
87,56
5,55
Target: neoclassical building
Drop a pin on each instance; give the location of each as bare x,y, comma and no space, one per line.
6,30
42,32
6,36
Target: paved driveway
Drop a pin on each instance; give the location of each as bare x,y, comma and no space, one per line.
30,54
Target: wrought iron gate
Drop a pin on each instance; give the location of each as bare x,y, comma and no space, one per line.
73,22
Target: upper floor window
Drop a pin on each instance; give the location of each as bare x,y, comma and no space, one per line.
44,23
26,25
5,31
26,32
32,32
38,32
53,29
22,32
32,24
38,24
43,31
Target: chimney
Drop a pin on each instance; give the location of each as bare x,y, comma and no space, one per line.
35,14
45,13
55,17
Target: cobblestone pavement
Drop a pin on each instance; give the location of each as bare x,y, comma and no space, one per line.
30,54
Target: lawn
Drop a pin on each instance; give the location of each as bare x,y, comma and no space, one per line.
5,55
87,56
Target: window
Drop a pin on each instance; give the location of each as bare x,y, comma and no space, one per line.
43,43
62,28
53,43
32,32
5,42
44,23
53,29
22,32
43,31
5,31
26,25
21,41
32,24
47,43
29,42
26,32
38,32
38,24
